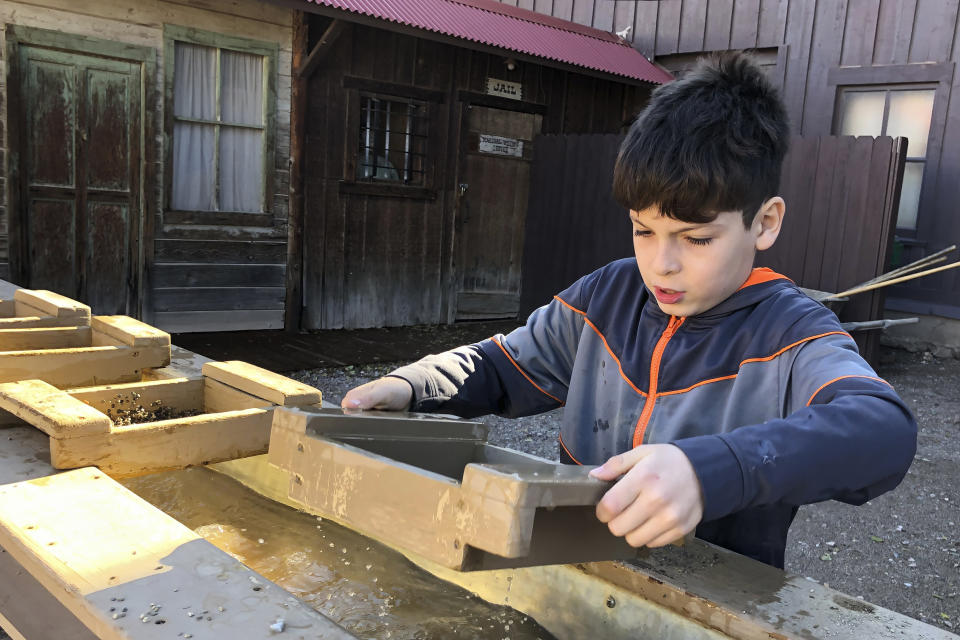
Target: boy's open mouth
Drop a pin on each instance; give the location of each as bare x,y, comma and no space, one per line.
668,296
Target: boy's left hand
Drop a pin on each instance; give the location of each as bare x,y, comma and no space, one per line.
657,501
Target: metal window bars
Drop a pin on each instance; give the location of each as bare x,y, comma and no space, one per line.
393,140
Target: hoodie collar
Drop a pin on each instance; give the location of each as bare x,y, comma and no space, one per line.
761,283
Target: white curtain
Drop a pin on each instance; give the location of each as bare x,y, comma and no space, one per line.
194,94
241,150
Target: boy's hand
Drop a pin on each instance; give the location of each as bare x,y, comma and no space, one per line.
657,501
387,394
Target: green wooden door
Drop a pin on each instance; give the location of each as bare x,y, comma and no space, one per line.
80,182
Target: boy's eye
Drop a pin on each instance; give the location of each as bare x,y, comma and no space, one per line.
641,233
700,241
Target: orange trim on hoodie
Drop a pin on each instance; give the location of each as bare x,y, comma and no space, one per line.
672,326
827,384
609,350
760,275
560,438
524,374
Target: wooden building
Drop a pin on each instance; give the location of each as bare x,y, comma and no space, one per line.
846,67
145,148
417,150
149,149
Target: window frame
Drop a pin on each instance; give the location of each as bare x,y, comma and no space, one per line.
936,76
356,89
270,52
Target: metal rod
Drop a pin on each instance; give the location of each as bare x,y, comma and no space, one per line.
886,283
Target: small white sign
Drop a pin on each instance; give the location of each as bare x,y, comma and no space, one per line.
504,89
501,146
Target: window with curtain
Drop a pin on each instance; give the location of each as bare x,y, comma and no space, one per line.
219,129
893,111
393,140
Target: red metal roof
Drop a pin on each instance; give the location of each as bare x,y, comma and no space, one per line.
498,25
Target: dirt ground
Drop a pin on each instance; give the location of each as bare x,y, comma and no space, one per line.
900,551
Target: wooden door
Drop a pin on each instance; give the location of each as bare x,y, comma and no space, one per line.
493,185
79,176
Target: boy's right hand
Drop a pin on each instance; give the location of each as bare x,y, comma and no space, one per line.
387,394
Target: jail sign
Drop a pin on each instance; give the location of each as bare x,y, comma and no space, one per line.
504,89
500,146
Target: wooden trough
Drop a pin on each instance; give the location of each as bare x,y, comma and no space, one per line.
464,504
225,413
30,309
105,350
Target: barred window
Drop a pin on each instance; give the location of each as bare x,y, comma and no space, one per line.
393,140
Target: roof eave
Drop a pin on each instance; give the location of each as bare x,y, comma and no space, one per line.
349,16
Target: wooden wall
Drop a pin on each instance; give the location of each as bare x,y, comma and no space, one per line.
211,272
381,260
844,190
816,37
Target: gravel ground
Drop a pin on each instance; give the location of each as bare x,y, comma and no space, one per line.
900,551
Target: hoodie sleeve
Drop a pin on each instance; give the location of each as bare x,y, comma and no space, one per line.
846,436
523,373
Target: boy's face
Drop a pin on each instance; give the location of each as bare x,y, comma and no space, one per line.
690,268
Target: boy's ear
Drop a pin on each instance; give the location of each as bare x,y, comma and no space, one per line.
767,223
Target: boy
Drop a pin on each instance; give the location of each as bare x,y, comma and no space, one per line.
718,396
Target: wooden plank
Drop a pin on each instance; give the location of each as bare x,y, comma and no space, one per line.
81,367
152,447
824,55
933,30
798,34
192,274
262,383
196,321
7,308
860,29
894,31
719,21
693,24
645,27
53,304
218,298
668,27
219,397
226,251
22,596
49,338
87,539
56,413
819,212
746,23
180,394
130,332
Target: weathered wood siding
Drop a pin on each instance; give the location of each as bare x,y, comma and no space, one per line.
211,272
383,259
815,38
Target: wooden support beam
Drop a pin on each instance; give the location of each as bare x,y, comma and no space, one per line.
293,302
20,339
264,384
55,412
322,47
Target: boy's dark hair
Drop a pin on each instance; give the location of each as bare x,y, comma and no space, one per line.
710,142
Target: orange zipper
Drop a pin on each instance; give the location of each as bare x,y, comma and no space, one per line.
671,329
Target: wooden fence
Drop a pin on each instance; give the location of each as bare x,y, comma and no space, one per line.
842,197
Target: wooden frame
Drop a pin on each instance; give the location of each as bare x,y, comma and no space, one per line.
355,90
233,400
938,74
112,349
434,487
121,567
32,309
142,224
270,52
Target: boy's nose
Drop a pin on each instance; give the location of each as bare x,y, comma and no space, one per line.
665,261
